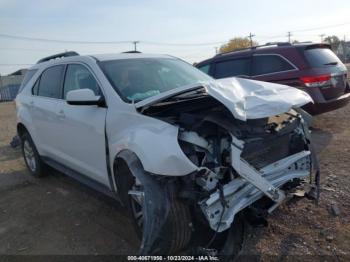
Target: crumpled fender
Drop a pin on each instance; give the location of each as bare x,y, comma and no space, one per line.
155,143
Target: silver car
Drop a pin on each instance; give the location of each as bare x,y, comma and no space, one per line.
186,155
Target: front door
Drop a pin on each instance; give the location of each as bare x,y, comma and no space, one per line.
81,127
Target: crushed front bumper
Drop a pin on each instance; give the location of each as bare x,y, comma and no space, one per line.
252,185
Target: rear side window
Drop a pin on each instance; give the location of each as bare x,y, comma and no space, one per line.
230,68
26,79
79,77
267,64
50,82
36,87
205,69
320,57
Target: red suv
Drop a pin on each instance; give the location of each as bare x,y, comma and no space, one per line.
311,67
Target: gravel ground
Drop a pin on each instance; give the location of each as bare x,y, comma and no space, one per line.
57,215
303,229
54,215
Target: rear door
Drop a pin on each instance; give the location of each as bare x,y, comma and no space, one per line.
81,128
43,107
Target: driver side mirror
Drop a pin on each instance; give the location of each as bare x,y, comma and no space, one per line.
84,97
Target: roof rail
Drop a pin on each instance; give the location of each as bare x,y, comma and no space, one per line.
277,44
258,46
304,42
60,55
132,52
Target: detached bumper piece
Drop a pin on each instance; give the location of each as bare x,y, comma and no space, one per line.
252,185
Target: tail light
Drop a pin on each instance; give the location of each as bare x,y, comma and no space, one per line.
316,81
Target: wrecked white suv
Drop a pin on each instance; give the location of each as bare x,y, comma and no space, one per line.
191,158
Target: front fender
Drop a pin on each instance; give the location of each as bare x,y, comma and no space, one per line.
154,142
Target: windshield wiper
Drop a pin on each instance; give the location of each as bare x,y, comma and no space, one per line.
331,63
188,95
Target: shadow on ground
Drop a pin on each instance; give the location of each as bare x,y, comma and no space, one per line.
320,139
57,215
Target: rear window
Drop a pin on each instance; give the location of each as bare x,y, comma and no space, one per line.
267,64
237,67
26,79
320,57
50,82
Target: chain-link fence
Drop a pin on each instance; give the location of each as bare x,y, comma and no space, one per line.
9,86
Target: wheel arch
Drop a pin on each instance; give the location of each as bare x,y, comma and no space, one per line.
21,129
124,161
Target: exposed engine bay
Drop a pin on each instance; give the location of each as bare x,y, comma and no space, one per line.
238,161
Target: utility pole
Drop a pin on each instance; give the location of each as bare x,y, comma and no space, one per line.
216,50
251,39
289,35
344,49
135,45
321,35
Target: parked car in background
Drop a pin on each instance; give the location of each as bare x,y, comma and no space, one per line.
311,67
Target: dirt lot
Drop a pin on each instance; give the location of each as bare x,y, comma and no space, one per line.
57,215
54,215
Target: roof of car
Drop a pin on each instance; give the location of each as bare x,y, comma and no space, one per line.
73,56
106,57
269,47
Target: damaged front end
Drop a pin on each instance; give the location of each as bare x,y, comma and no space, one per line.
240,158
245,161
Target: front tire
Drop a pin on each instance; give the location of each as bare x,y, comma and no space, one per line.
176,233
31,156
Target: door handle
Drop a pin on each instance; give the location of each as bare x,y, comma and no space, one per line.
61,114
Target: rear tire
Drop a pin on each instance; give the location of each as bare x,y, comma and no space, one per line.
31,156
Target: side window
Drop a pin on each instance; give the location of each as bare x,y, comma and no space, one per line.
28,76
205,69
36,87
79,77
50,82
231,68
266,64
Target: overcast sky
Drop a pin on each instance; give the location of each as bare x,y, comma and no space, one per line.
176,22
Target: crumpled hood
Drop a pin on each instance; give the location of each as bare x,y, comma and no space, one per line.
250,99
246,99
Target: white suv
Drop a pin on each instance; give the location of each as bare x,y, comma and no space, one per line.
187,155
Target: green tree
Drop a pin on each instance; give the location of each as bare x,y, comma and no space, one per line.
236,43
333,41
